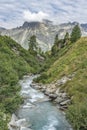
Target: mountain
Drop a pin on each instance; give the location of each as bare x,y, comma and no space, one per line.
45,32
2,29
84,27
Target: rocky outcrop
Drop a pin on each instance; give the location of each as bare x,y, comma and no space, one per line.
18,124
45,32
53,91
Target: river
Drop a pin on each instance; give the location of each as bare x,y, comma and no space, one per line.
38,111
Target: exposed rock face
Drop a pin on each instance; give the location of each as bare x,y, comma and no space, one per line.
45,32
16,124
54,93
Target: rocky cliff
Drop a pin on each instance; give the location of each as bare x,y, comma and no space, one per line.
45,32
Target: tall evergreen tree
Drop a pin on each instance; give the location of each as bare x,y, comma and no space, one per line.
55,46
56,39
76,33
32,43
66,38
58,44
54,49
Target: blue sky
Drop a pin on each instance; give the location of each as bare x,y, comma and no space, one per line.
14,12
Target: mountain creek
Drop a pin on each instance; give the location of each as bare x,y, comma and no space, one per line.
37,112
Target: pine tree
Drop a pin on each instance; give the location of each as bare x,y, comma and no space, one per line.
66,38
55,46
76,33
54,49
56,39
32,43
58,44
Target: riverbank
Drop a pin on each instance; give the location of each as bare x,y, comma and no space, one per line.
37,110
54,92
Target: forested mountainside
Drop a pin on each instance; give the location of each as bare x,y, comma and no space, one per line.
14,63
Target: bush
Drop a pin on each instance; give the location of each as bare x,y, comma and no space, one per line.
77,115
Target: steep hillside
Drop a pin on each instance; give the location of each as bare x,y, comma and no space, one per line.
73,62
14,63
45,32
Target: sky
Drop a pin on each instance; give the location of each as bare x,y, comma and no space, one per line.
14,13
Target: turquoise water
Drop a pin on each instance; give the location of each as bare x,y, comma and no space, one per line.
42,115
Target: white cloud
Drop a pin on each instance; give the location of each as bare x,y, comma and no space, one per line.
14,12
29,16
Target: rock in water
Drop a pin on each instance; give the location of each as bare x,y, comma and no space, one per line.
16,124
21,122
12,124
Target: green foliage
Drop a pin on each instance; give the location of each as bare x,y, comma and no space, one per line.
42,78
50,59
59,43
4,119
14,63
56,39
71,59
12,103
76,33
32,43
77,115
54,50
55,46
66,38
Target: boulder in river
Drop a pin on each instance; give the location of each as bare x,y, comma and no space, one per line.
58,100
53,96
16,124
65,102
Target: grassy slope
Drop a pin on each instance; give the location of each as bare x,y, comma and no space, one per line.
75,60
14,63
49,60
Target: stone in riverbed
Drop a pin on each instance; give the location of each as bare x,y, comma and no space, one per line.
57,91
12,124
65,102
62,81
59,100
35,86
43,90
53,96
64,95
63,108
21,122
16,124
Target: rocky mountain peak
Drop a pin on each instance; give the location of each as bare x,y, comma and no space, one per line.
1,28
45,32
32,25
47,22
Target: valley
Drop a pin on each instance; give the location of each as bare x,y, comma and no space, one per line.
61,67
